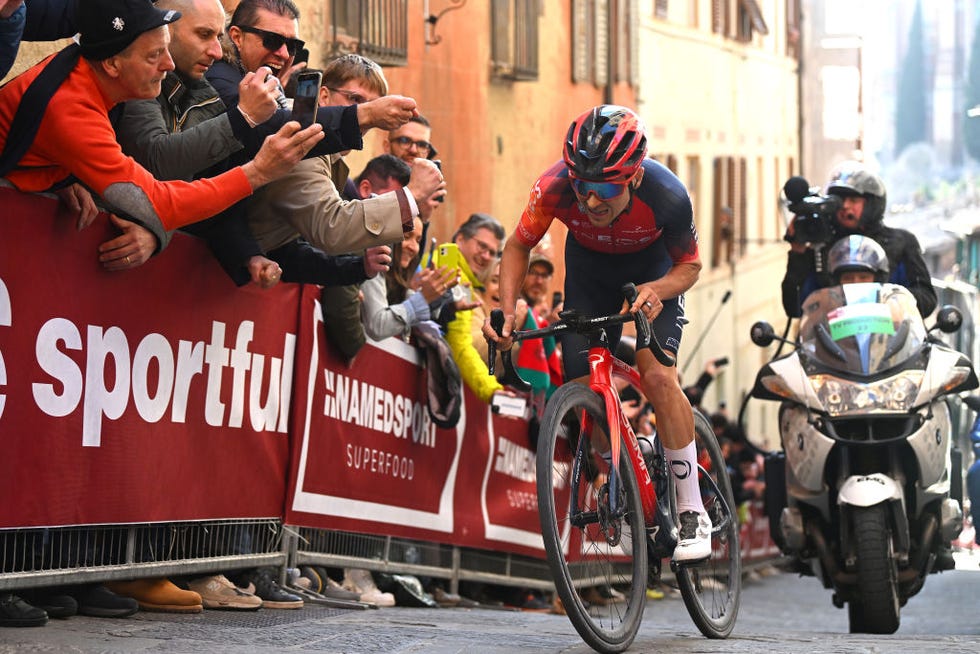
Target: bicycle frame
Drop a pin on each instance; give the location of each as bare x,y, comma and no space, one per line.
604,368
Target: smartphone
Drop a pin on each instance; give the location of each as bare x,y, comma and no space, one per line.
432,253
722,361
307,98
438,163
303,56
448,256
555,299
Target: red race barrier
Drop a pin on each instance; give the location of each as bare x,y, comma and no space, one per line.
367,458
165,393
155,394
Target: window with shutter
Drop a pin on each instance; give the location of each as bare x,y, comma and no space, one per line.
374,28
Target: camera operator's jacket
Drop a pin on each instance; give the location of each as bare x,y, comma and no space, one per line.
905,263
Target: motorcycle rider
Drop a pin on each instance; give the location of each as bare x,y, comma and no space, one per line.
863,198
856,259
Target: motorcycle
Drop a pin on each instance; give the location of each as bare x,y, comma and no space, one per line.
859,496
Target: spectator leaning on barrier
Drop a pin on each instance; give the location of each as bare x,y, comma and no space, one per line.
122,56
478,240
307,202
187,129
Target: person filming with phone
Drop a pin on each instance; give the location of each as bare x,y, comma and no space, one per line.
629,219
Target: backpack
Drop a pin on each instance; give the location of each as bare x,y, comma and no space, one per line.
443,380
30,111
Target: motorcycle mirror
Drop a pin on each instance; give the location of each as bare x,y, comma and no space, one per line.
762,334
949,319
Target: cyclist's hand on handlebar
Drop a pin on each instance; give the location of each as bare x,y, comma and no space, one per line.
503,340
647,302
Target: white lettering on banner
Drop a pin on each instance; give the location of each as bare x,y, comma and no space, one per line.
514,461
380,462
6,318
154,360
376,408
522,500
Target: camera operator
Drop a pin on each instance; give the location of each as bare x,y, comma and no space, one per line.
854,204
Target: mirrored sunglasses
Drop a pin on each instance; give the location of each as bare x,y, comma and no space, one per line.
602,190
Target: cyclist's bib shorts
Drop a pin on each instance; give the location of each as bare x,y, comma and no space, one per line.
593,283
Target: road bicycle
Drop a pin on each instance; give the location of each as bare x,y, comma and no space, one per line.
592,511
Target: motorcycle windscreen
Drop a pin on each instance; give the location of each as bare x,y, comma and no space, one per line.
861,328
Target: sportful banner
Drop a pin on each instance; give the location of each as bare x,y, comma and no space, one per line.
155,394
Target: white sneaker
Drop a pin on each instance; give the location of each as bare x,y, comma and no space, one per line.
694,538
360,581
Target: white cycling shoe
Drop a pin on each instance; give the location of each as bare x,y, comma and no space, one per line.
694,538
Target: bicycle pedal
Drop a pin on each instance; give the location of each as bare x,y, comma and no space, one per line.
677,565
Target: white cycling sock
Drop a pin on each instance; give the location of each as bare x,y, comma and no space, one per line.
684,465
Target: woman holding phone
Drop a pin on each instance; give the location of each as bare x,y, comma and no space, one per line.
405,295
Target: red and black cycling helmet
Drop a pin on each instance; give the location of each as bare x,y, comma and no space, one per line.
605,144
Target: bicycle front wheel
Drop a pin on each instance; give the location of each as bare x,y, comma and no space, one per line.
591,521
711,590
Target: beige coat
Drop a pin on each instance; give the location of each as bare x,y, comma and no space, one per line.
307,203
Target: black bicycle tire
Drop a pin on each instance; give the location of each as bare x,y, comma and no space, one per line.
690,578
610,638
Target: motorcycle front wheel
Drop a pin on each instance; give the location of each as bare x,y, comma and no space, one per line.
876,608
596,545
712,589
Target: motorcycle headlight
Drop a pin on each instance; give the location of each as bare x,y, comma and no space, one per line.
894,394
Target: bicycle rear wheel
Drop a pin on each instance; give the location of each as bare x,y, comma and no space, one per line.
590,543
712,590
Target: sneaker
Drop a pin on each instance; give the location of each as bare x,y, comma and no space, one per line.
694,538
333,590
15,612
267,589
360,581
313,580
218,593
159,595
655,594
97,601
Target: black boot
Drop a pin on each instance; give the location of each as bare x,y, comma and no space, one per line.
15,612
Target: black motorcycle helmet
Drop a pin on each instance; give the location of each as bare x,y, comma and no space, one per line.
854,179
857,253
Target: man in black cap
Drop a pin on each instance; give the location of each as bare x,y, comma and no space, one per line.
122,55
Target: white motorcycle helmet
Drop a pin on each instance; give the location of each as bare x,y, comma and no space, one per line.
857,253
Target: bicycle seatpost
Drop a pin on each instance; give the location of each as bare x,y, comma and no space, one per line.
511,377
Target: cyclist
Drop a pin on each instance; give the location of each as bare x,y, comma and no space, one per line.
629,220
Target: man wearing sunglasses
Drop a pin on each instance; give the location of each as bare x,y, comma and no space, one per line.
264,33
629,220
187,129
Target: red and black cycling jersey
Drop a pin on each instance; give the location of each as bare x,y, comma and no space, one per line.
660,208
